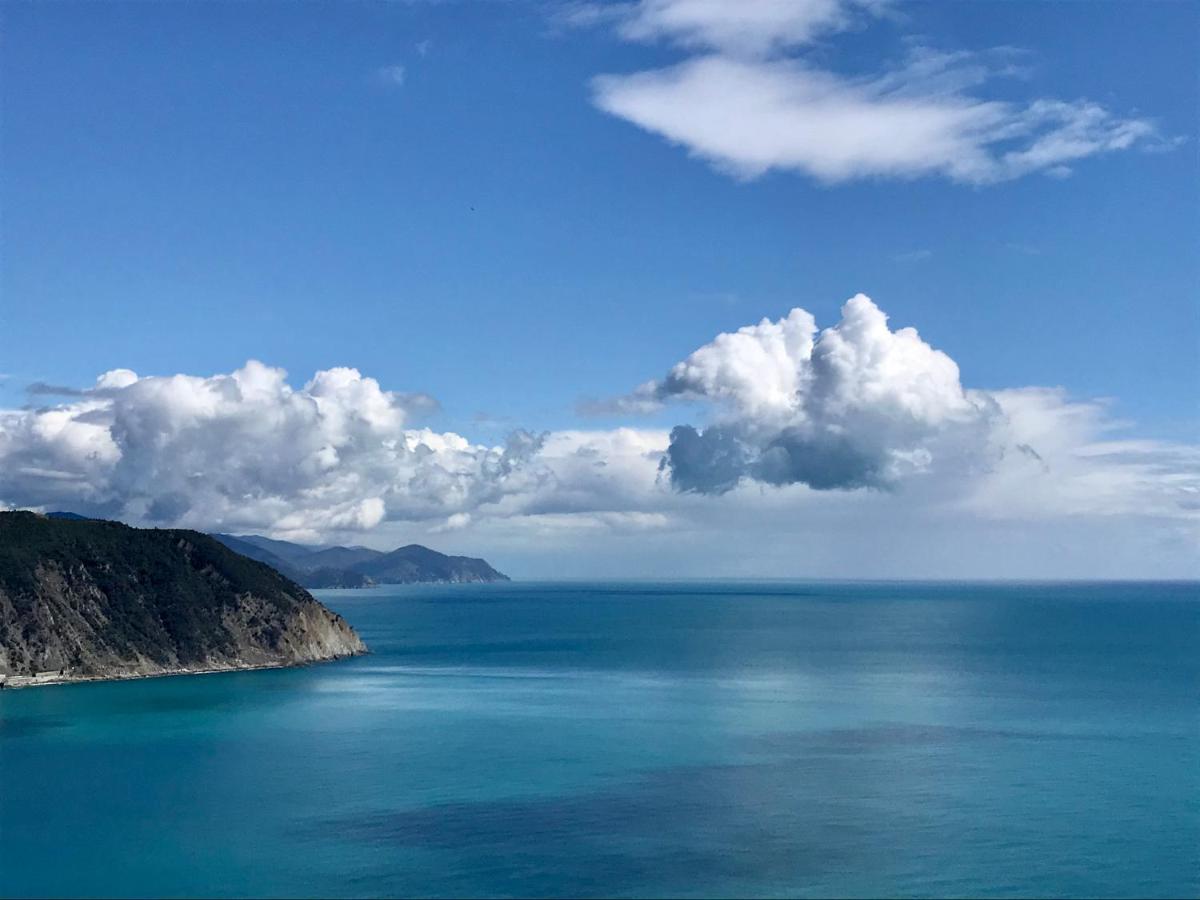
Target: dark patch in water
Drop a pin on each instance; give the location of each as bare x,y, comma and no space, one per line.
891,734
27,726
826,806
183,704
686,592
479,648
678,829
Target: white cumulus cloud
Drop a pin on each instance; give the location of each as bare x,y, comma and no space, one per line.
246,450
858,405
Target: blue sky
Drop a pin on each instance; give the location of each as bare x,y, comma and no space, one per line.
431,193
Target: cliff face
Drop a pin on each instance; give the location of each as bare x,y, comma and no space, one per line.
92,599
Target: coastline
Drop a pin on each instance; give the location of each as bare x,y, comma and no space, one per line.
54,679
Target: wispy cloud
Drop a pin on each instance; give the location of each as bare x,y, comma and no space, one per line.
105,385
1023,248
45,389
754,27
393,75
750,102
912,256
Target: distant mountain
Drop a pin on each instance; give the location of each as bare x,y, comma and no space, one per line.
83,599
321,567
328,577
343,557
293,560
253,550
284,550
417,563
349,567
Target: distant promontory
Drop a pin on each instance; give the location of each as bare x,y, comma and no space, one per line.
349,567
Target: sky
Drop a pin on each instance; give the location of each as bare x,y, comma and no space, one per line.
662,288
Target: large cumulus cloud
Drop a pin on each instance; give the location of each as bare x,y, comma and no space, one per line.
856,405
247,450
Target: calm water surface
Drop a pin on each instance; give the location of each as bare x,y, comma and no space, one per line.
642,739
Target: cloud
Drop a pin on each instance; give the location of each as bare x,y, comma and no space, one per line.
750,117
1097,504
1023,248
912,256
756,27
247,451
1061,457
856,435
748,108
857,405
45,389
455,522
393,75
106,383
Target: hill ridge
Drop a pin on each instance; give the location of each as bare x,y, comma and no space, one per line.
339,566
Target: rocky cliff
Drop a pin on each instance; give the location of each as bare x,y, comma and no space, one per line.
92,599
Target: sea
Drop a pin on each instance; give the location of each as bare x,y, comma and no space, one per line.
683,739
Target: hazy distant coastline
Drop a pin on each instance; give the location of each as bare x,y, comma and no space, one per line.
355,567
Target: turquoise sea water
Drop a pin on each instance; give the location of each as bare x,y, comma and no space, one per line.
642,739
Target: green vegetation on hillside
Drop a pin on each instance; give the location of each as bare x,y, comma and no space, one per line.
163,591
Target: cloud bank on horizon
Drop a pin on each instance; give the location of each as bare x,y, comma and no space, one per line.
749,100
247,451
796,418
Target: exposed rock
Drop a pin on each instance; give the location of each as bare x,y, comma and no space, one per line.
86,599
